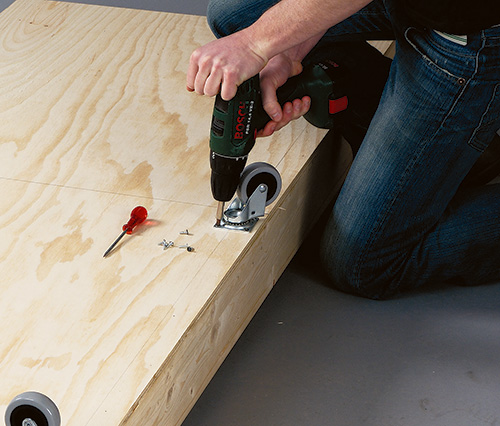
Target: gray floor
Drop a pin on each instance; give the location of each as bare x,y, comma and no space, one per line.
314,356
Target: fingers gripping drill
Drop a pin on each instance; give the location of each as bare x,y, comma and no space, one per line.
235,122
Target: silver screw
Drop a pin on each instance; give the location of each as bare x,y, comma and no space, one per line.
166,244
187,247
185,232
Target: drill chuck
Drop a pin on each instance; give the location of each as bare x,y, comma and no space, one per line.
225,175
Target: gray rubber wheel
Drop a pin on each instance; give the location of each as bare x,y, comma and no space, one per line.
32,409
256,174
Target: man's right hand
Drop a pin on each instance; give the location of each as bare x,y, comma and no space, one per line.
290,25
223,64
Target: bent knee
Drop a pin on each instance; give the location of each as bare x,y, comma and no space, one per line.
217,11
225,17
352,269
375,286
229,16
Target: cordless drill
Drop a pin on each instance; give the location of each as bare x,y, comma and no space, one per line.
235,123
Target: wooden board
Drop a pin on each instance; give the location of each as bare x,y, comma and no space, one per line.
94,121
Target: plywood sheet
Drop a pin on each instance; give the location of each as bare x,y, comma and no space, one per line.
94,120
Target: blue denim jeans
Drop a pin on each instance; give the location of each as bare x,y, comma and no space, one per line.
402,218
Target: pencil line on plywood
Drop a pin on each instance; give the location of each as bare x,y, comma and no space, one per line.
101,191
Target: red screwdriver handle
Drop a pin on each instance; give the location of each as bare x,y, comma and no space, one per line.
137,216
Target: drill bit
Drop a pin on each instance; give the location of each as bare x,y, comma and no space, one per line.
220,212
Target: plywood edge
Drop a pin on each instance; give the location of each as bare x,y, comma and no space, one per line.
186,372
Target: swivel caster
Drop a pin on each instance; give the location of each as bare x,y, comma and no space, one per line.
260,185
255,175
32,409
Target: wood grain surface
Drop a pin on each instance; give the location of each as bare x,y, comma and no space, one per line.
94,120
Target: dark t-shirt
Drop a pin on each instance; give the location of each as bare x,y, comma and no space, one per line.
453,16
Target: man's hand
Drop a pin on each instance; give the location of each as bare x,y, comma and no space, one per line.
284,33
223,64
289,25
279,69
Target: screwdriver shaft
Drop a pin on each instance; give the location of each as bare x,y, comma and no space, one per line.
112,246
219,214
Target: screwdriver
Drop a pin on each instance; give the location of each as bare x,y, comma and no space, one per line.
137,216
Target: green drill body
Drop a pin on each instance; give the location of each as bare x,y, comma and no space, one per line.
235,123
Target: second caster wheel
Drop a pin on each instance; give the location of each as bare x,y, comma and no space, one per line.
32,409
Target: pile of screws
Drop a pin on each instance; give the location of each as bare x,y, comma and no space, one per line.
167,244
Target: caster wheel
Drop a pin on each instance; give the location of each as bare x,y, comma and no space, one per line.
255,175
32,409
